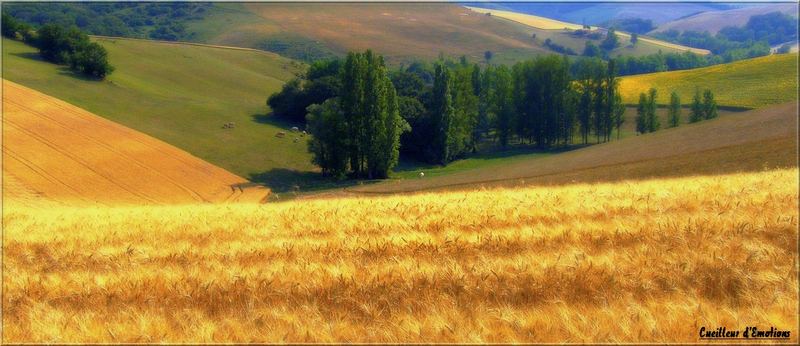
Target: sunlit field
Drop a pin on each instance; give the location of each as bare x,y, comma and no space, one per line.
630,261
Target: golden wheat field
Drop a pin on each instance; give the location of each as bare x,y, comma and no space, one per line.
63,153
629,261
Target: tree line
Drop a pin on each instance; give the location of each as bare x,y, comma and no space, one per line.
362,116
702,108
62,45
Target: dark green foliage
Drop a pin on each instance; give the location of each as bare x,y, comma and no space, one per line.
709,105
542,92
674,110
641,114
487,55
442,113
634,38
320,83
591,50
502,104
786,48
70,46
165,21
697,111
329,141
660,62
558,48
653,124
92,60
359,131
773,27
611,41
632,25
10,26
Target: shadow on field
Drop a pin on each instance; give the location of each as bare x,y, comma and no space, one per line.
29,55
274,120
282,180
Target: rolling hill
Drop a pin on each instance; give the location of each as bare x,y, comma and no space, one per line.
400,32
55,151
560,33
595,13
182,94
748,83
741,141
713,21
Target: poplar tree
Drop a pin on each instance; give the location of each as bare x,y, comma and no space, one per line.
697,113
441,115
641,115
653,123
674,110
709,105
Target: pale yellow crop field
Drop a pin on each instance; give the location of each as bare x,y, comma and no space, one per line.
631,261
553,24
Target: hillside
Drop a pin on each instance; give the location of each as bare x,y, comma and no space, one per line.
742,141
55,151
595,13
401,32
560,33
597,262
748,83
713,21
182,94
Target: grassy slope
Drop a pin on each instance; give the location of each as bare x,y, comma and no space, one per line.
629,262
182,95
748,83
756,136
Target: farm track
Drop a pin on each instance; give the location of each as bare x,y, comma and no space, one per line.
66,153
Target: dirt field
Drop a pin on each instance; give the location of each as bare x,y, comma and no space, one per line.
59,152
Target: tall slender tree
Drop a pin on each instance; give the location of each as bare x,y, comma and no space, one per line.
641,115
709,105
653,123
674,110
442,113
697,113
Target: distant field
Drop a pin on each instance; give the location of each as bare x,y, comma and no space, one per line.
61,153
625,262
182,94
713,21
686,150
646,45
401,32
749,83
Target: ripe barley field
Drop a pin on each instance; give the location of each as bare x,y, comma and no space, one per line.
629,261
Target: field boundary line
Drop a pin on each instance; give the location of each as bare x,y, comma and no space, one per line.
113,150
488,181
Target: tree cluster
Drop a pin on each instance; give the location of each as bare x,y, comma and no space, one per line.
62,45
70,46
163,21
703,107
358,132
632,25
736,43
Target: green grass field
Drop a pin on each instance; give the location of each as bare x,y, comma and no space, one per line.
183,95
751,83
